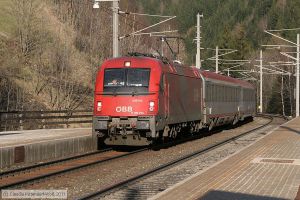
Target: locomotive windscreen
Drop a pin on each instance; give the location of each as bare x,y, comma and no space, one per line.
126,80
138,77
114,77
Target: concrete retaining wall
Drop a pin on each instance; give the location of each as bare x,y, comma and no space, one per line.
44,151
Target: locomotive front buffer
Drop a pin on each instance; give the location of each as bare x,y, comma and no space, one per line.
131,131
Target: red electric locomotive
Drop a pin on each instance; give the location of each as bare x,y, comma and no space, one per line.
140,99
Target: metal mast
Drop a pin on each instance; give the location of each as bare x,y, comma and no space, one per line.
217,59
116,46
297,45
260,83
115,9
297,76
198,40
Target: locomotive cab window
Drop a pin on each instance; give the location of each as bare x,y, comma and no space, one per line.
114,77
126,81
138,77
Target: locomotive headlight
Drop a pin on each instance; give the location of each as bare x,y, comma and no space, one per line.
99,106
151,105
127,63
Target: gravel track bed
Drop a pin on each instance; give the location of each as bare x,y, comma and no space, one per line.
151,186
90,179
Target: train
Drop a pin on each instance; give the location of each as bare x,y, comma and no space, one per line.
142,99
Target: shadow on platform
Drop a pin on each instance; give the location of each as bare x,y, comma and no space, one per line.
224,195
290,129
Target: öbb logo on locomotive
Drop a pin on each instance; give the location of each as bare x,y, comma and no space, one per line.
124,109
152,99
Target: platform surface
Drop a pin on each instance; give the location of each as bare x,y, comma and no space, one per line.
268,169
13,138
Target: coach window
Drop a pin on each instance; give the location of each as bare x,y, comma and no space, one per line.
220,91
223,93
211,93
248,95
207,93
217,94
231,94
227,94
235,94
214,97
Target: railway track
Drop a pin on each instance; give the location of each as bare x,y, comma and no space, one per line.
18,169
151,182
44,171
30,174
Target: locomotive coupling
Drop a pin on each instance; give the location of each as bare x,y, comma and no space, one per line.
99,134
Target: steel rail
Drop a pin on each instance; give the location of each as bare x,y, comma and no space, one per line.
46,175
131,180
5,173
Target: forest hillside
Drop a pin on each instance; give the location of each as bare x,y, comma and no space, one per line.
50,50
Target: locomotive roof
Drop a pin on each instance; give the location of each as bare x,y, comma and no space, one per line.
120,60
133,57
178,69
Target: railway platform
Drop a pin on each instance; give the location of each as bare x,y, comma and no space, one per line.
267,169
32,146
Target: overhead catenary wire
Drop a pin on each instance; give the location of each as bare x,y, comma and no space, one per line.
286,29
130,34
124,17
143,14
151,27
